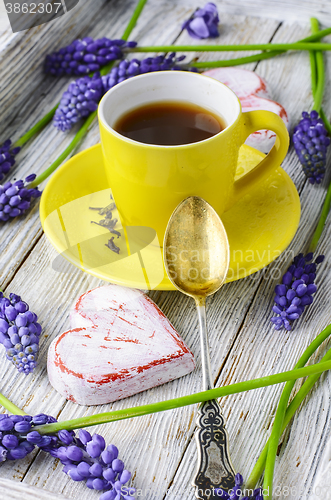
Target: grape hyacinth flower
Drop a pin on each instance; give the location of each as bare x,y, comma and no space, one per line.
296,291
7,157
19,332
85,56
127,69
15,198
204,23
18,437
85,458
81,99
310,139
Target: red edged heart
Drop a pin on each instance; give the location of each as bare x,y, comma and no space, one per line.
120,344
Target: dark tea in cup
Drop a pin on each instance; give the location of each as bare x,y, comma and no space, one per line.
169,123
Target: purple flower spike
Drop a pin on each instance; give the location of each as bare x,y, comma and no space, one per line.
17,440
85,56
7,158
18,437
84,460
16,198
311,141
81,99
296,291
204,23
21,342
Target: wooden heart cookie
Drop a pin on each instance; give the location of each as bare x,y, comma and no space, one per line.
253,93
120,344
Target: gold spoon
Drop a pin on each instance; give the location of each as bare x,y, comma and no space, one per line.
196,258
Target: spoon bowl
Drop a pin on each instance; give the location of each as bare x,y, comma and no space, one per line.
196,249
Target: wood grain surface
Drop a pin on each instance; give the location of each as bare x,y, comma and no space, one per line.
159,449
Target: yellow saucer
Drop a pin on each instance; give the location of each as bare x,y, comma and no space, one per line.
259,227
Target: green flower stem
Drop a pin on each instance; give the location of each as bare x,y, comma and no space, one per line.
199,397
224,63
256,57
317,76
36,128
269,452
134,19
318,89
290,411
285,413
233,48
312,54
141,4
15,410
84,128
201,48
313,71
78,137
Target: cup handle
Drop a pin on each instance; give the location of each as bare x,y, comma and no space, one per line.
253,121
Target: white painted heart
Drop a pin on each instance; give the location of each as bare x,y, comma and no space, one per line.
120,344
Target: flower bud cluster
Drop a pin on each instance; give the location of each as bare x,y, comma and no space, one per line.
310,139
296,291
18,437
87,458
81,99
15,198
85,56
19,332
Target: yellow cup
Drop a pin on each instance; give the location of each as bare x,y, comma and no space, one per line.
149,181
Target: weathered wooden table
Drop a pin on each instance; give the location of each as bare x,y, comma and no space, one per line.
159,448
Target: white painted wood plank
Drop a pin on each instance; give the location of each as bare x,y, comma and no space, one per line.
17,491
169,433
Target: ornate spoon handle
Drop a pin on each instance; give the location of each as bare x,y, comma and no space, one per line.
215,469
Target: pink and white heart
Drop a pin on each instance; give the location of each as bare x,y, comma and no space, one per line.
253,93
120,344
